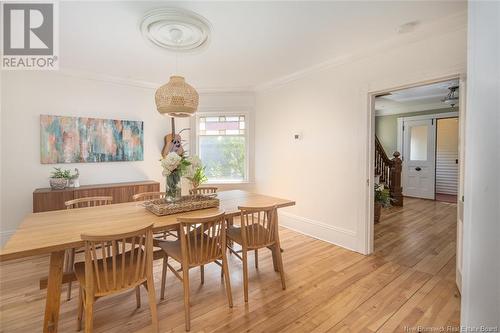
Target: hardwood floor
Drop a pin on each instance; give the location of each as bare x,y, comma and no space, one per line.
408,281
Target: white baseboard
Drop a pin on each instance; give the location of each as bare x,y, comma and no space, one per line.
4,236
319,230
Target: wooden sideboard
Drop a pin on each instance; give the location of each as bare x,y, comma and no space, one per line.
46,199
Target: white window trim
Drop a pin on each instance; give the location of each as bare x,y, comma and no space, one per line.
249,137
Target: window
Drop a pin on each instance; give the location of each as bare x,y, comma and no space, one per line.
222,146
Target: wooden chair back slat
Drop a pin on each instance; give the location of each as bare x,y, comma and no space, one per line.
259,226
123,241
122,262
88,202
148,196
202,239
203,190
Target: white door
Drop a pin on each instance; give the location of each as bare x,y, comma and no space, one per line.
419,158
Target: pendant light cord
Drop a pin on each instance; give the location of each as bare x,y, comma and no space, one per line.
176,63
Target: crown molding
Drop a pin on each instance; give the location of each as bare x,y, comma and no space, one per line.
449,24
87,75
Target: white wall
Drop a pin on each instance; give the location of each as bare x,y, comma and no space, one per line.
481,253
26,95
326,172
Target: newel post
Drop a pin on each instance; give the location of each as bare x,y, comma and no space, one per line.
396,189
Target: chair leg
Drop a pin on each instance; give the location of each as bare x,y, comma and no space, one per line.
185,282
279,260
227,281
163,277
275,263
230,223
80,310
89,315
138,296
69,268
152,303
256,258
202,274
245,273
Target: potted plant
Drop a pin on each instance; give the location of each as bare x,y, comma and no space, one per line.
174,167
382,199
59,179
196,172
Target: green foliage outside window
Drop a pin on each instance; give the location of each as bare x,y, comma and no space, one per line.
224,157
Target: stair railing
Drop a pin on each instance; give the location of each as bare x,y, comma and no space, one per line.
389,171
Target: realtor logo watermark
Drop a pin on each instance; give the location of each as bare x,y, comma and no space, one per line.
30,36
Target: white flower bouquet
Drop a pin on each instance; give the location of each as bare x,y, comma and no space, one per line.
174,167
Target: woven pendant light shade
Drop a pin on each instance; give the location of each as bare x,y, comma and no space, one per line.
176,98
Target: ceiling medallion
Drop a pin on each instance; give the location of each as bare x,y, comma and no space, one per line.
176,29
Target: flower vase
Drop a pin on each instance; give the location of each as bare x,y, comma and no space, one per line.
173,192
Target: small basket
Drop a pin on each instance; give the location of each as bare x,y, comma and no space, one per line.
161,207
58,183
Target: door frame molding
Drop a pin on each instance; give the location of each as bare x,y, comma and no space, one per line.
366,228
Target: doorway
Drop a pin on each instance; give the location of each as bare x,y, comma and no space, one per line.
429,148
402,219
420,124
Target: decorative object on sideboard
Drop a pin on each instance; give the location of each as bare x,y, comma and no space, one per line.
382,199
74,181
59,179
76,140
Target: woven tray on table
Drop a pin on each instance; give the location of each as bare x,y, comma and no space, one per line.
188,203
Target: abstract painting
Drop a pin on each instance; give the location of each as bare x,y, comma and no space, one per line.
82,140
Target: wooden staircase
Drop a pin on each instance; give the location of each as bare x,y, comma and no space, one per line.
389,171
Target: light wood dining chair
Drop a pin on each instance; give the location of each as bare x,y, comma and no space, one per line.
258,229
81,203
203,190
201,241
114,263
148,196
88,202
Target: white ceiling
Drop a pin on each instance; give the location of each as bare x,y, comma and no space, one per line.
421,98
252,42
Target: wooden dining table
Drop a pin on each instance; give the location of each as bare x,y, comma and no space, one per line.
55,232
